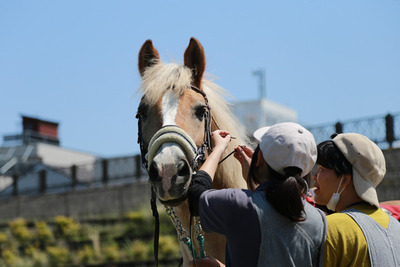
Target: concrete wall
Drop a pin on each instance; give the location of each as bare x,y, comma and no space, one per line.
114,200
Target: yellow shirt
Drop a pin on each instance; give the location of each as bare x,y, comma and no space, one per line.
345,243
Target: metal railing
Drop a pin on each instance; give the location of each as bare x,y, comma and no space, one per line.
46,180
29,136
384,130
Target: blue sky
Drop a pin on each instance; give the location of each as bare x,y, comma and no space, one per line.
75,62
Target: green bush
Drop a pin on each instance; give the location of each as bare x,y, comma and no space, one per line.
139,224
58,256
112,241
44,233
38,258
138,251
168,247
20,231
167,227
3,240
110,253
10,257
86,255
68,228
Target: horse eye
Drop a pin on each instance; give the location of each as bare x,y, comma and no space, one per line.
200,111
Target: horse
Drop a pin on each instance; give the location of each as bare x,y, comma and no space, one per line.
179,109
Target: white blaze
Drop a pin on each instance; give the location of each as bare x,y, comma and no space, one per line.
169,107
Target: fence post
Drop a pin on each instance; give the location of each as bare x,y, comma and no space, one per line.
339,127
15,186
74,177
42,181
105,171
389,129
138,164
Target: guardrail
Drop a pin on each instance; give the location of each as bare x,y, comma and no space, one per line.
384,130
46,180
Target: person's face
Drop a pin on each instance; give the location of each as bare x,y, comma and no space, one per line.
326,183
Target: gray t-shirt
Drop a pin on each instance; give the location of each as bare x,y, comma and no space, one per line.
231,212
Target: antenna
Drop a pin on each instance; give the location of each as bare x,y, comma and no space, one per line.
262,87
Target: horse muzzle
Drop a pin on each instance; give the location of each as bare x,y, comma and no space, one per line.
171,156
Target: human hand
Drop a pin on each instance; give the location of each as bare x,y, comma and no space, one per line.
220,139
244,154
207,262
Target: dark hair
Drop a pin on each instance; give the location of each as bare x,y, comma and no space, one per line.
329,156
284,192
251,178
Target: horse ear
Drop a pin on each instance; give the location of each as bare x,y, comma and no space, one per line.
195,59
148,56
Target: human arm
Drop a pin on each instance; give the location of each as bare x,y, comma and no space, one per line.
202,180
221,141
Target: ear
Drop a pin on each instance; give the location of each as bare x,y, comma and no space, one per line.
347,180
195,59
148,56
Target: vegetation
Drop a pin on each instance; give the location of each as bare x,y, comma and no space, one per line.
65,241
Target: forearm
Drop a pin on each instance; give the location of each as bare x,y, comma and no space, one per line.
211,164
201,182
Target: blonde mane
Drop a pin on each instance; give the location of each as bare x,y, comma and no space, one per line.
171,76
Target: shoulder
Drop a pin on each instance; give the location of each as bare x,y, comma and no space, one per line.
338,222
342,229
225,198
225,209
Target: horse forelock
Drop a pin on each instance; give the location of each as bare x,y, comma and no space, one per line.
161,77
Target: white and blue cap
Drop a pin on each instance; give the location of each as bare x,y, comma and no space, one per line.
287,144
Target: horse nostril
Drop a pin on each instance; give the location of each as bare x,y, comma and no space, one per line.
183,168
153,173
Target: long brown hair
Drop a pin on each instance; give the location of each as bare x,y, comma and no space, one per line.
284,192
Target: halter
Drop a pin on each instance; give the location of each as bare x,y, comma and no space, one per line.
196,157
173,133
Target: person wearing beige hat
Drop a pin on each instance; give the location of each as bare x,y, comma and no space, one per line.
350,167
271,224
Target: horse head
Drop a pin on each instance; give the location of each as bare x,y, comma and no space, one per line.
174,120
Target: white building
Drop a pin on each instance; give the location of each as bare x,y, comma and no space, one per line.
262,112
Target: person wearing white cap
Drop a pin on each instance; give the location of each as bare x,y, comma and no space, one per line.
270,224
350,167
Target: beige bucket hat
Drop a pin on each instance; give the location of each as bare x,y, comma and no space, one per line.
368,161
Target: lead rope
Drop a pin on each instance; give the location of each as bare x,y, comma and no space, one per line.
186,237
157,223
